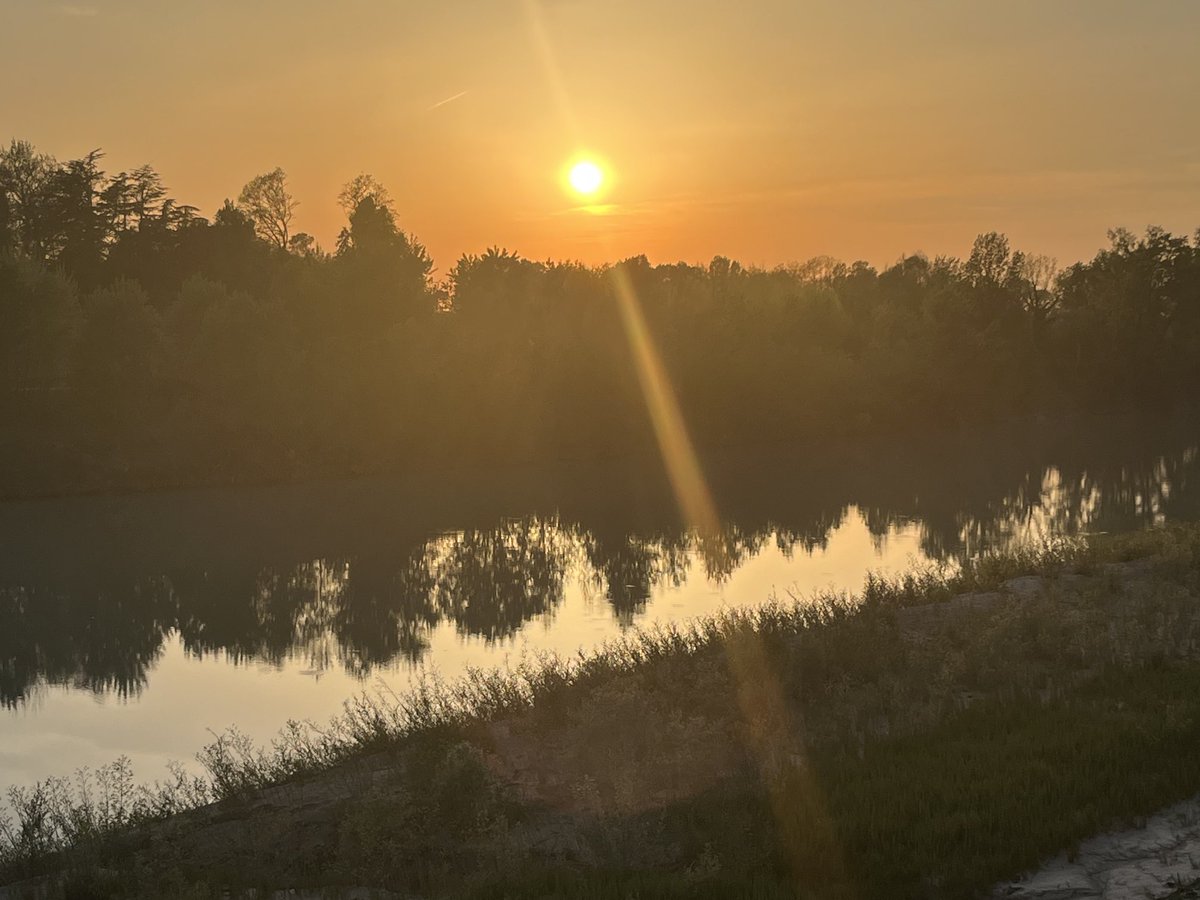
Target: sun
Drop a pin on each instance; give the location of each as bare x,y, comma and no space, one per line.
586,177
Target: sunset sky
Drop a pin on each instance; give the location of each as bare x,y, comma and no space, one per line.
767,131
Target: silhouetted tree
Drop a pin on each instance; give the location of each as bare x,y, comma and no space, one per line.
77,229
360,188
988,263
25,180
1031,277
497,282
265,200
8,235
385,272
304,244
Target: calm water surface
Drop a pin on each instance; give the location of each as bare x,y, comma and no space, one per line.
135,625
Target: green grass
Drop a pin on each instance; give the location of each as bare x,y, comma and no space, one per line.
835,748
983,796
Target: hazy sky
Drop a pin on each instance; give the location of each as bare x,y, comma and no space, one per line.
767,131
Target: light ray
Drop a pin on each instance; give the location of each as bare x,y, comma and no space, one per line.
545,50
774,734
674,443
776,742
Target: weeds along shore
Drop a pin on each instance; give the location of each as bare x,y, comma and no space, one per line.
929,736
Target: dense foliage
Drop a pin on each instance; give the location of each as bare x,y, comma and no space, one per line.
142,344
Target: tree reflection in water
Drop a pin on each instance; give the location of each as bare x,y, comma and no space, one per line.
93,610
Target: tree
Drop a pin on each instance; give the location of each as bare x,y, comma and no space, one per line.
266,202
372,230
496,284
131,198
234,219
1031,277
305,245
220,343
229,251
819,270
25,180
118,355
7,236
360,188
176,216
386,272
41,317
989,260
146,194
77,230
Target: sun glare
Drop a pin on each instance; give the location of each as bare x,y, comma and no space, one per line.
586,177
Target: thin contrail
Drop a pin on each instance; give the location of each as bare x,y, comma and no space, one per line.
457,96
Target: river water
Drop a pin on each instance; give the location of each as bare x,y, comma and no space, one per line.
136,625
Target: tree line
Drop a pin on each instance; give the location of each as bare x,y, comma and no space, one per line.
143,344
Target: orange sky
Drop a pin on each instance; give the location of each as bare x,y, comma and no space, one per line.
767,131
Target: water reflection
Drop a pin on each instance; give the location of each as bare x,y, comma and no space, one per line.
626,568
359,575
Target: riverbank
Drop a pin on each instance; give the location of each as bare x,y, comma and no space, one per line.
932,737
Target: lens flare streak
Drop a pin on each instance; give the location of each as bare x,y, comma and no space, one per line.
679,456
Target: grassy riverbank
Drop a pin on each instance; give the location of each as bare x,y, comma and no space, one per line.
927,738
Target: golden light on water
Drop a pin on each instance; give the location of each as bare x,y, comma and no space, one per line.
586,177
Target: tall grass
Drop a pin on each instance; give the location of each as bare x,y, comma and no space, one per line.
81,812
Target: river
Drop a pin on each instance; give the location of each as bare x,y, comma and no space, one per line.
136,625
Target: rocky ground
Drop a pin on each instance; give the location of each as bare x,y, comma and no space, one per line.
1161,859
